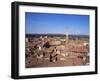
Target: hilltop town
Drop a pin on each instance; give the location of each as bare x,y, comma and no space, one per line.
54,51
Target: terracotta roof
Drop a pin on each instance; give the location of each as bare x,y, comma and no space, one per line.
82,50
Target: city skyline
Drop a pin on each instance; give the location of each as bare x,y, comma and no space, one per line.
47,23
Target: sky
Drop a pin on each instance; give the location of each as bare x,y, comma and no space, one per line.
47,23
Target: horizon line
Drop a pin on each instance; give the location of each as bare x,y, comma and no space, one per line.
56,33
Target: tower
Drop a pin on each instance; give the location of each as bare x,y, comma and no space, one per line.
66,37
66,43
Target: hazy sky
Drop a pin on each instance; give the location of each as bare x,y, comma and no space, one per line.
56,23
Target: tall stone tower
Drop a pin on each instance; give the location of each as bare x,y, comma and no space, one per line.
66,37
66,45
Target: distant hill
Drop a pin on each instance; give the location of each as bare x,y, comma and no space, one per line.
57,35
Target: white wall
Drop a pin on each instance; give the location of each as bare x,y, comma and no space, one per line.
5,40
